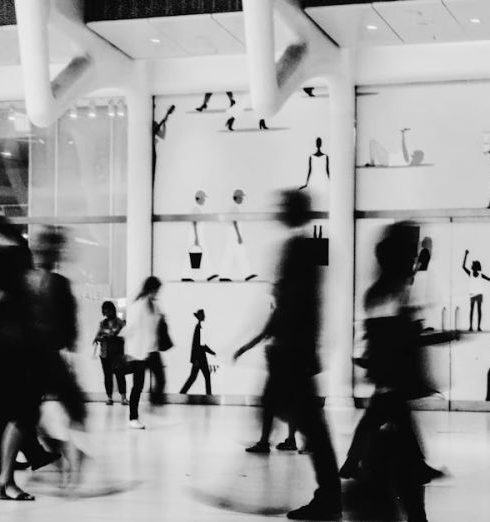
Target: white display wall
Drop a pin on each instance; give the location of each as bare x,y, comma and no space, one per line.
448,144
445,189
197,151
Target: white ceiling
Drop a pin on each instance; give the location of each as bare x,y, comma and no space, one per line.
379,23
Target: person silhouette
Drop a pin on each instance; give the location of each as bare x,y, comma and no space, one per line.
385,453
207,97
318,176
159,133
476,289
199,257
290,391
199,359
235,250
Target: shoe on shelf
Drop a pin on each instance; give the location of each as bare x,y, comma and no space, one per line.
135,424
250,277
315,511
124,401
287,445
109,402
45,459
259,447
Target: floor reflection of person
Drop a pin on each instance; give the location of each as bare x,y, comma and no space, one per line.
385,453
111,349
199,359
476,284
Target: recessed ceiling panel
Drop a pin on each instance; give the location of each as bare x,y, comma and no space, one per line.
473,16
9,45
234,23
421,21
197,35
351,25
138,39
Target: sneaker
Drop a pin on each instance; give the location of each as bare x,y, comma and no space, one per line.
124,401
287,445
313,511
260,447
136,424
109,402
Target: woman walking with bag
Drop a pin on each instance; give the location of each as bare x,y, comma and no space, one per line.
111,347
141,335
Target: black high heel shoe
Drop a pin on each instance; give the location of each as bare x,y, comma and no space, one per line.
262,125
22,496
229,123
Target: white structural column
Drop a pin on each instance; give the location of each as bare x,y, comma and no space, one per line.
139,200
339,307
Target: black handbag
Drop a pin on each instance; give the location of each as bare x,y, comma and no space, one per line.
164,341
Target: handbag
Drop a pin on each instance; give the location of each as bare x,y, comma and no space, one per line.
164,342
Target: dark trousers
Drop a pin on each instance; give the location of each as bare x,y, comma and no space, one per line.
196,367
385,442
154,363
138,369
108,369
309,419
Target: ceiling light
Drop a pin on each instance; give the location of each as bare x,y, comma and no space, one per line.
92,111
11,113
73,113
475,20
371,27
155,40
111,109
6,154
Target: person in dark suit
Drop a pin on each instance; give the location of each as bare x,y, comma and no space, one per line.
290,391
199,359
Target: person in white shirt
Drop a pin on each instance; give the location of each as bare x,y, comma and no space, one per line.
141,342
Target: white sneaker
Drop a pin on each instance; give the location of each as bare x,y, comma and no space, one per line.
136,424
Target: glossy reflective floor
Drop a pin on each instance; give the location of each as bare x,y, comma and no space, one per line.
190,465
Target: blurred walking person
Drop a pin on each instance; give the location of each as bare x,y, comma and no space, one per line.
385,453
290,392
141,335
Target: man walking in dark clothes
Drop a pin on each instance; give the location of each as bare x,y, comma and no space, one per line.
293,360
199,359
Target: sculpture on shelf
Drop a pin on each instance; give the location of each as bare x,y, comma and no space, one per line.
236,110
159,133
235,257
475,288
379,156
198,258
318,177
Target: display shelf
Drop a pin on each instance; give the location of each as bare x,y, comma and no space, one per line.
394,166
230,216
222,283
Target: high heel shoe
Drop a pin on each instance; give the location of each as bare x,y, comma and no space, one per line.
262,125
22,496
229,123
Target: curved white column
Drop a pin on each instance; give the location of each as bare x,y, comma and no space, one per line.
139,199
340,301
310,54
97,65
